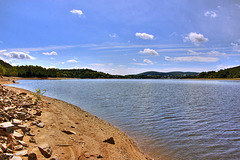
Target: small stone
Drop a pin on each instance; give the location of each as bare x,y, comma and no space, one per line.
46,150
110,140
17,122
32,140
32,156
18,148
22,153
23,143
68,131
17,135
30,134
40,125
54,158
16,158
99,156
7,126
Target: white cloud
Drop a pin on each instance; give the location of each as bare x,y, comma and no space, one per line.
195,38
211,14
72,61
192,59
78,12
149,51
134,60
147,61
98,64
211,53
15,55
145,36
236,47
114,35
53,53
140,64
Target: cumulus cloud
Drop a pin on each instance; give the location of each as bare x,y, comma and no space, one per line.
192,59
15,55
53,53
211,14
145,36
149,51
195,38
78,12
147,61
72,61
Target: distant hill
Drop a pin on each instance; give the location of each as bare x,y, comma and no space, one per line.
176,73
5,64
223,73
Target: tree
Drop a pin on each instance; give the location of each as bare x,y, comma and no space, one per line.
2,70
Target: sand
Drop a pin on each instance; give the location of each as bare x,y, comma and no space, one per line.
88,133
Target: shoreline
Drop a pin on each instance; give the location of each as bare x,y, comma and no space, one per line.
58,115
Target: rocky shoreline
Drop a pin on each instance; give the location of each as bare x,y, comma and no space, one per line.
38,127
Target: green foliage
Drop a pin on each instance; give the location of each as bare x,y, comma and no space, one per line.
226,73
38,93
2,70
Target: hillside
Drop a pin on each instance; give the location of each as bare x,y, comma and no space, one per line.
226,73
5,64
177,73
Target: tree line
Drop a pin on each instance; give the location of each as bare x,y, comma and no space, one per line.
38,71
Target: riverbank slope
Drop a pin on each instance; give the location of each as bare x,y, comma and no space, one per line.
73,133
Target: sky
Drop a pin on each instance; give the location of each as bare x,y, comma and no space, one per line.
121,36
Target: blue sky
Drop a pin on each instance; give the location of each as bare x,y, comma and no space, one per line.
121,36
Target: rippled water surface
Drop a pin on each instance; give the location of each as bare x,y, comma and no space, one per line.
186,119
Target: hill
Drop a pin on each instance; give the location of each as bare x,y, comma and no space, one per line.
223,73
5,64
170,74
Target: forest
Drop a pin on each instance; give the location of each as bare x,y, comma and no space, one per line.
37,71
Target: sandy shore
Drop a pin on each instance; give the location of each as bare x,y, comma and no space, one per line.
89,138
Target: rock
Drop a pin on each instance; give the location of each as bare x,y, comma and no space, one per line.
7,126
22,153
68,131
17,135
22,94
110,140
32,156
37,113
54,158
32,140
30,134
18,148
23,143
16,158
40,125
99,156
46,150
17,122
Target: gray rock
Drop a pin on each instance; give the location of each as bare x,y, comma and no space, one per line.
17,135
22,153
40,125
7,126
16,158
18,148
17,122
46,150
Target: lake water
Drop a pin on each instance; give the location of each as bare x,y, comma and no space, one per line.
186,119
